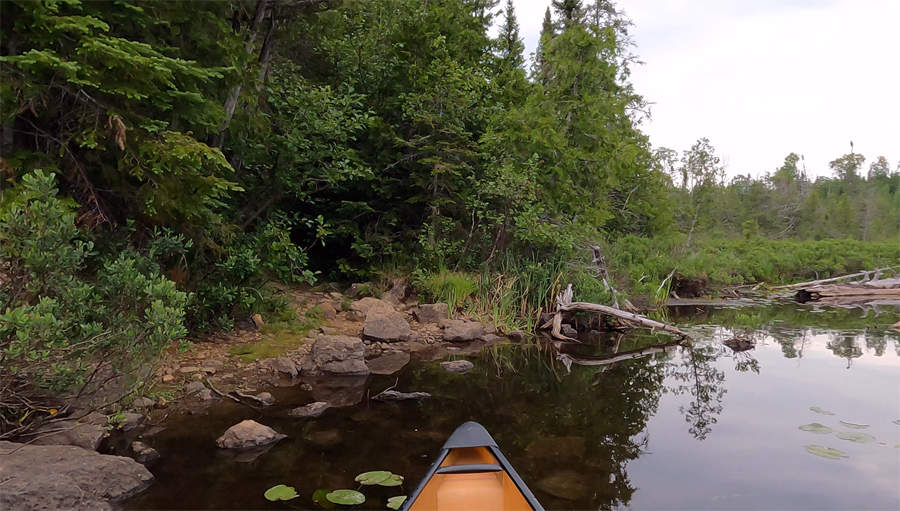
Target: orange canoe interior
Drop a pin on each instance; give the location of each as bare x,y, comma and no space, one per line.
470,492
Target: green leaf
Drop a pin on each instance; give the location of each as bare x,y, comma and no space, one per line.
396,502
372,478
825,452
816,428
394,480
346,497
859,438
819,410
280,492
854,426
319,498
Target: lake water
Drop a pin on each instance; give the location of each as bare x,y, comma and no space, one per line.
700,427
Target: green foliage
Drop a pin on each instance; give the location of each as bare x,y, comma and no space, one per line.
69,310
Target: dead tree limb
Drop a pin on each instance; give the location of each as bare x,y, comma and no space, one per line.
568,360
837,279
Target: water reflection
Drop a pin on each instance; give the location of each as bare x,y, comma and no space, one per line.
603,435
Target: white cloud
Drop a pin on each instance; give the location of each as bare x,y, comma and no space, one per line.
763,78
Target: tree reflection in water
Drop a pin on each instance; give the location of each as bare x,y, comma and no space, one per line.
696,375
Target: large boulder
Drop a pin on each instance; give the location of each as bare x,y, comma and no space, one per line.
360,308
86,433
461,331
248,434
386,325
431,313
285,366
43,477
338,354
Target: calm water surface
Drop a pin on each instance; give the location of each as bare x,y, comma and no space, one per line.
699,427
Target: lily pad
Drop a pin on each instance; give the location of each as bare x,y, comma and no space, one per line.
280,492
374,477
860,438
394,480
319,499
396,502
819,410
825,452
346,497
854,426
816,428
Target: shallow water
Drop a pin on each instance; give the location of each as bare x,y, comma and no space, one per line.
690,428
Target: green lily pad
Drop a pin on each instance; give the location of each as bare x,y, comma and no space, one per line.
371,478
860,438
280,492
854,426
396,502
319,499
825,452
346,497
394,480
816,428
819,410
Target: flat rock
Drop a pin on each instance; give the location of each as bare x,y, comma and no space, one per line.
567,485
142,402
285,366
338,355
457,366
144,454
266,398
79,433
364,305
194,387
339,391
431,313
311,410
490,338
385,325
188,369
132,420
462,331
388,364
47,477
516,335
248,434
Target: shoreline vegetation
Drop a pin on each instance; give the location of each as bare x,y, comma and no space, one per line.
168,167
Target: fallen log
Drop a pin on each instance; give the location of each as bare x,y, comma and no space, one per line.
877,271
564,303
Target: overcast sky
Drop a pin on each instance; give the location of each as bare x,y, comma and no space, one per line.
763,78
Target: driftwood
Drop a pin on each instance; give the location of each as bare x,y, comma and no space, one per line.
568,360
391,396
864,274
564,304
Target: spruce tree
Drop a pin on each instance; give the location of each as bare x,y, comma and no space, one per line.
510,43
538,71
570,12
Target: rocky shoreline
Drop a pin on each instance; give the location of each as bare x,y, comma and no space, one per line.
346,338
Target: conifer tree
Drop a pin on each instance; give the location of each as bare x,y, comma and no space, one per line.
510,43
538,70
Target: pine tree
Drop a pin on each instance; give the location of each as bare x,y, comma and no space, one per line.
570,12
510,43
538,70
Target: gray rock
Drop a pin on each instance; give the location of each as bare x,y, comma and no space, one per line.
457,366
490,338
132,420
388,364
338,354
516,335
266,398
366,304
386,325
394,295
193,387
461,331
568,330
328,311
285,366
358,290
490,328
431,313
38,477
329,331
144,453
206,395
311,410
188,369
214,364
142,402
248,434
71,432
339,391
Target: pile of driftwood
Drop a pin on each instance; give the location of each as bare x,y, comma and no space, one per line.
862,286
566,309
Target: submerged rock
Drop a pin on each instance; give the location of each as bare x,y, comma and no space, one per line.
557,448
457,366
328,438
248,434
388,364
567,484
144,453
44,477
311,410
339,391
393,395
